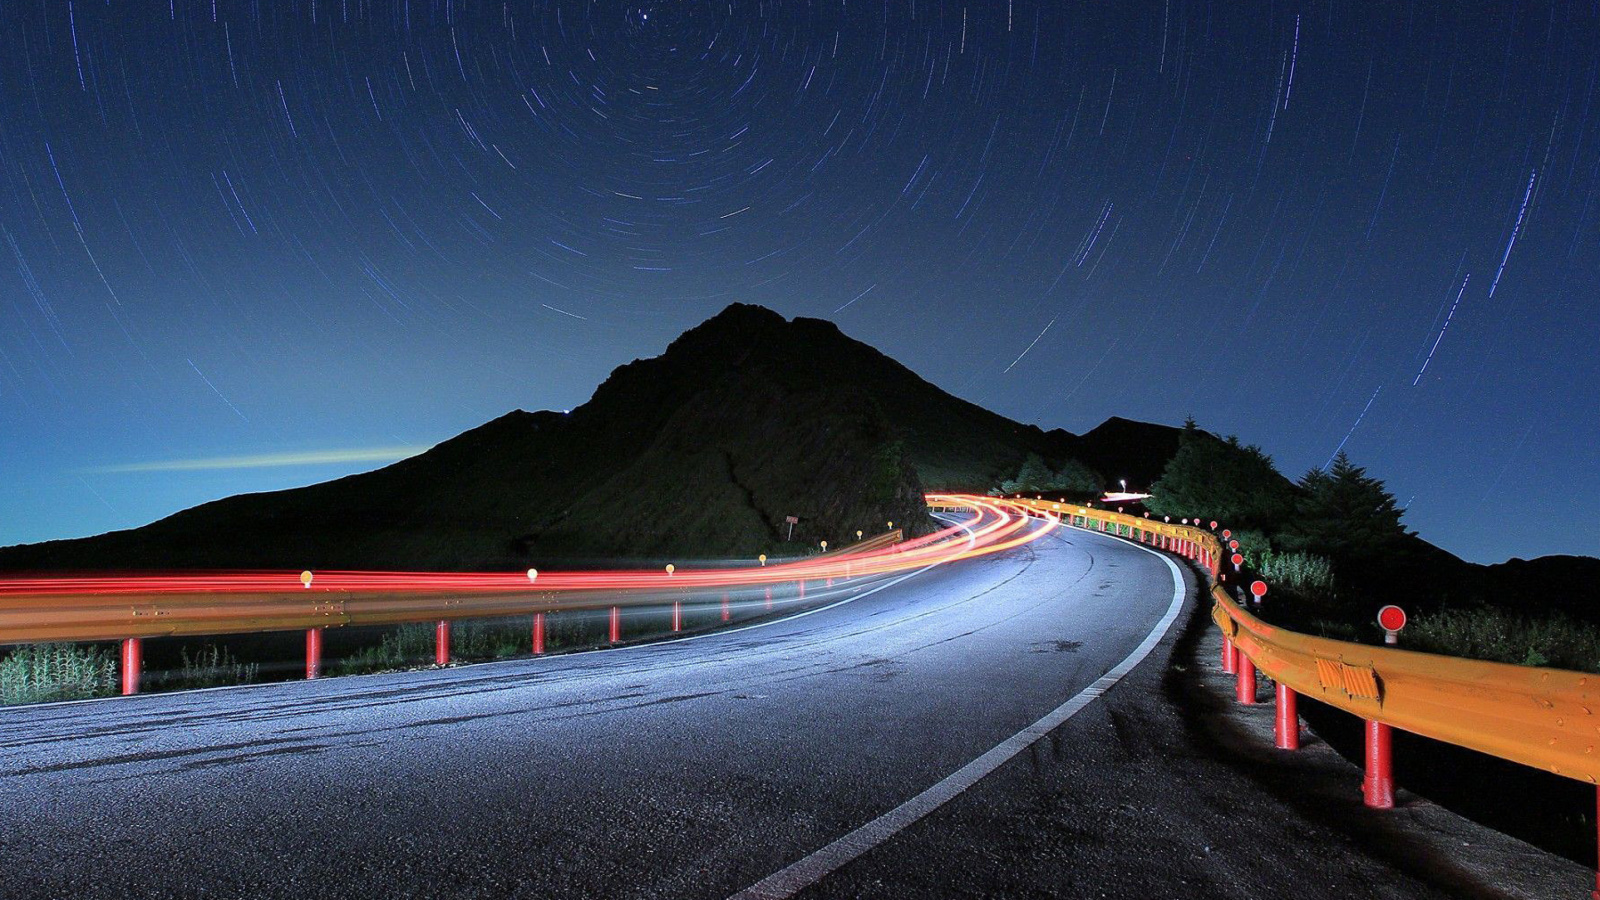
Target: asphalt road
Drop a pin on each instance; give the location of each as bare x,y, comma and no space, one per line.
694,768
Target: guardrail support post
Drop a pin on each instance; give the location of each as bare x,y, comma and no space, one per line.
769,598
616,624
441,643
1377,789
132,664
1230,656
1286,725
802,590
1245,687
726,612
538,633
313,653
677,615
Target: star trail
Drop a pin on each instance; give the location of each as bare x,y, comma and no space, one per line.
317,230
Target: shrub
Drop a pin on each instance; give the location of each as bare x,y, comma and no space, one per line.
1306,574
40,673
210,666
1500,636
412,645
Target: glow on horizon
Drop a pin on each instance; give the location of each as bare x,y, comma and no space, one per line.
264,460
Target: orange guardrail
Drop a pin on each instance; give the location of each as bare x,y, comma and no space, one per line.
1545,718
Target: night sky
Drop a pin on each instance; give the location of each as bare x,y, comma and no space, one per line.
246,246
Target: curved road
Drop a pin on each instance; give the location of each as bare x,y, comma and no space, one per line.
702,767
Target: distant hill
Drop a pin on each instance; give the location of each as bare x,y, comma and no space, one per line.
703,451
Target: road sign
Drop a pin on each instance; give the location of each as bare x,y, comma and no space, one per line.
1259,588
791,520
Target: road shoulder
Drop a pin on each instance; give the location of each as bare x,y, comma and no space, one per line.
1168,788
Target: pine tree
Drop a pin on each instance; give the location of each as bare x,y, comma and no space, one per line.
1344,512
1224,480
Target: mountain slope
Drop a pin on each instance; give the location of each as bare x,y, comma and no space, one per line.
745,420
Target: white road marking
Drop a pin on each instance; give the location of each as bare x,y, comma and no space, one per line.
797,876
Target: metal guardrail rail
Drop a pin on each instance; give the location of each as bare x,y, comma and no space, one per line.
1548,719
131,608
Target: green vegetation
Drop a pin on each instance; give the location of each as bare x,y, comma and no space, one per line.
41,673
413,645
1497,635
1035,475
1333,548
1343,513
1222,479
1305,574
210,666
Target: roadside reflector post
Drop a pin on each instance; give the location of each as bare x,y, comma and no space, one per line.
1391,619
1377,788
132,664
313,653
441,643
1286,724
616,624
1258,590
1245,687
538,633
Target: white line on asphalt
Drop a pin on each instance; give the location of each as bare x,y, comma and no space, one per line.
792,879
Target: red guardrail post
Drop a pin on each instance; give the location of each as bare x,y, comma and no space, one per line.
769,598
1377,789
616,624
677,615
313,653
1596,894
1245,687
1286,724
538,633
802,589
132,664
1230,656
441,643
726,613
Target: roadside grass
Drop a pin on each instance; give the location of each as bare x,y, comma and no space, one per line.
1496,635
409,646
1306,574
210,666
42,673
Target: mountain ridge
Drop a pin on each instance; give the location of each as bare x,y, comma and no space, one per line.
704,450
